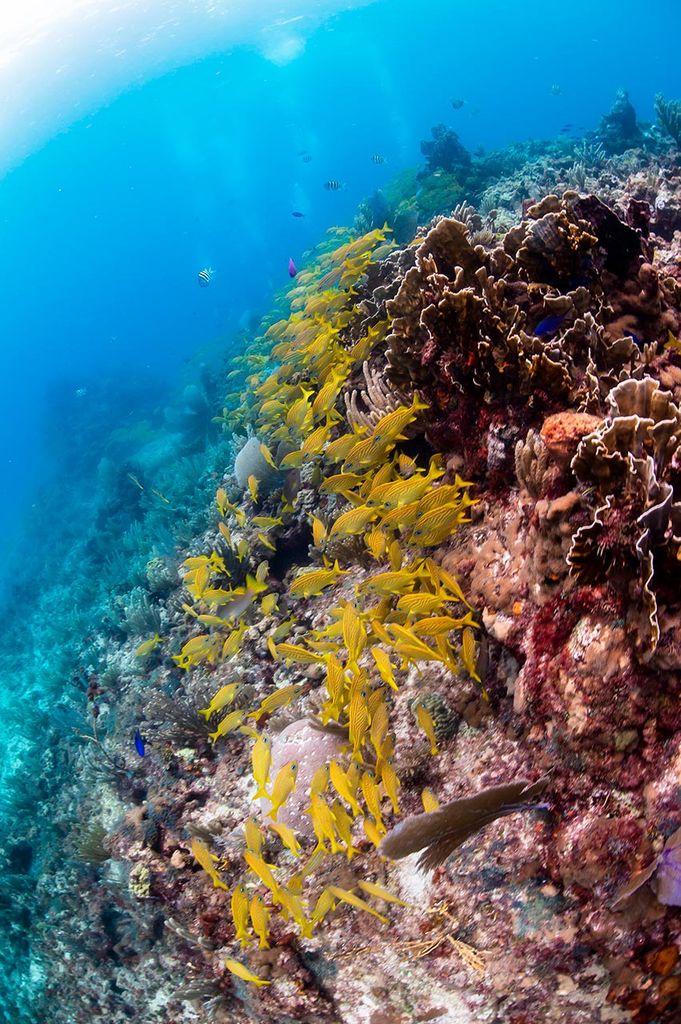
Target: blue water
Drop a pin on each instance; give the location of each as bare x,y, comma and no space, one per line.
186,165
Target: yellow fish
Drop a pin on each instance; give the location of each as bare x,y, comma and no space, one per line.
406,465
335,683
341,483
212,620
672,343
389,583
253,483
232,644
239,908
403,492
148,646
439,624
228,724
420,604
395,556
372,831
296,653
372,797
446,579
327,396
364,454
320,780
401,517
309,584
445,494
468,653
267,456
222,501
352,522
430,801
425,720
354,633
379,892
338,450
323,822
390,784
262,871
315,441
358,721
284,785
343,823
379,727
260,919
241,971
269,604
343,786
435,526
254,837
319,531
324,904
355,901
287,836
242,549
294,907
206,859
293,460
282,630
384,666
376,541
266,522
390,427
261,759
279,699
222,698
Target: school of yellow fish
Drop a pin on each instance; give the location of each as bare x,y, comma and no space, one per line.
407,612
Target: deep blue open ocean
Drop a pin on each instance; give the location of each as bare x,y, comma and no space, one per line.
139,146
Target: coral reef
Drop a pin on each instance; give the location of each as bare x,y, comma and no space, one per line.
433,552
669,115
618,130
445,151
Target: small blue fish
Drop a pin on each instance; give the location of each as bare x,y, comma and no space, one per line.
292,269
549,325
139,743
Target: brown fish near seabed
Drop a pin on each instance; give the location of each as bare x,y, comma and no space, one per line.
439,833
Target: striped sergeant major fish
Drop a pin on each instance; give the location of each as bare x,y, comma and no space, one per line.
205,276
332,185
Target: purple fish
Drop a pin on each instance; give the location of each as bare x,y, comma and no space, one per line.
139,743
292,269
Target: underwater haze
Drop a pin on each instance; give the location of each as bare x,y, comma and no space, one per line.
175,178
